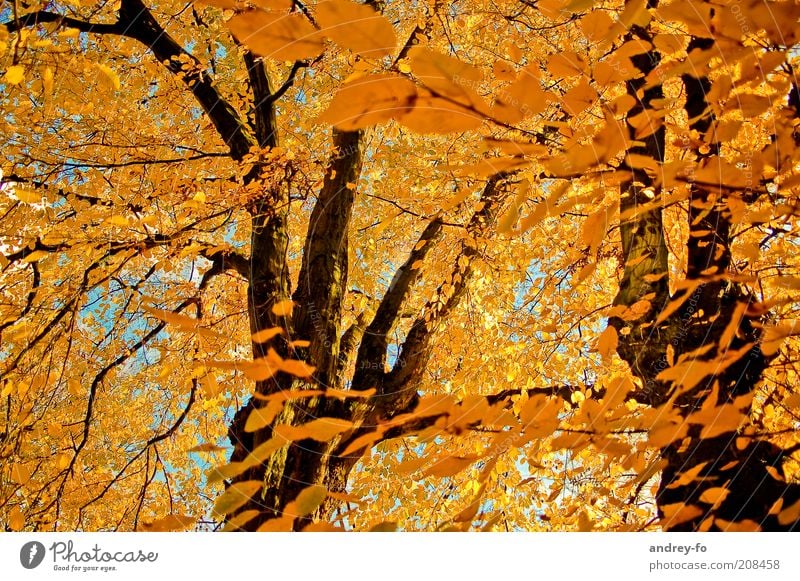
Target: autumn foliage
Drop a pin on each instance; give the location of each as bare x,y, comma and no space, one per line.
479,265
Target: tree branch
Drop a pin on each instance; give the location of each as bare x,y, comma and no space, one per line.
372,352
415,350
137,22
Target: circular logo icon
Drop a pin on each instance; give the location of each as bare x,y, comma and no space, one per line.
31,554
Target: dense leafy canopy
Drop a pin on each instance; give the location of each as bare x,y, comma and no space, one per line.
480,265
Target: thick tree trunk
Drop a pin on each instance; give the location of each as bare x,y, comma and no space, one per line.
317,318
714,478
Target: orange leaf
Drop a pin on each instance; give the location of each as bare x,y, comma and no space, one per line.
278,36
357,27
321,429
283,308
607,343
171,522
235,496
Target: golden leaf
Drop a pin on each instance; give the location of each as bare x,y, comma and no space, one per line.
171,522
742,526
14,75
277,36
678,513
321,429
357,27
369,100
607,343
235,496
16,520
308,500
241,519
265,335
714,495
260,417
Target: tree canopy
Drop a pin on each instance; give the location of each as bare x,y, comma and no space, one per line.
476,265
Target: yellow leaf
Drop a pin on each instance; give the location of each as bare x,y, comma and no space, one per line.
749,104
206,447
321,430
260,417
235,496
35,256
607,343
362,442
263,451
172,522
345,393
675,514
287,395
447,77
283,308
240,520
596,25
297,368
565,64
357,27
14,75
742,526
225,472
688,476
666,432
669,43
309,499
20,474
438,115
27,196
182,322
384,527
450,466
790,515
265,335
521,99
468,513
322,527
714,495
277,36
118,221
257,370
369,100
16,520
282,524
109,74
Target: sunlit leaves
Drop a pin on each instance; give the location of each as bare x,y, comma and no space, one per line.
321,429
14,75
180,322
357,27
308,500
370,100
276,35
236,495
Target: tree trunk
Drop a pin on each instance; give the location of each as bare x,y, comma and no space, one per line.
714,478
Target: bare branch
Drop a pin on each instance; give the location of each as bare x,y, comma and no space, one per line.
415,349
137,22
372,352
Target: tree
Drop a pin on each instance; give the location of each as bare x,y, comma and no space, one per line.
341,237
